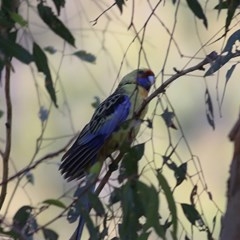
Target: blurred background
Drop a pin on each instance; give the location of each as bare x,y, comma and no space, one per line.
162,39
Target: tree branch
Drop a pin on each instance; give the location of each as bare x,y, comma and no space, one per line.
200,66
231,221
8,124
36,163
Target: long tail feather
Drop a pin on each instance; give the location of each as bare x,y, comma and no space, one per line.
86,206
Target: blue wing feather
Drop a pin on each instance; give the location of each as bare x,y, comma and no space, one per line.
107,118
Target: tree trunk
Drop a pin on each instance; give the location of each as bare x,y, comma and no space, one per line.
231,221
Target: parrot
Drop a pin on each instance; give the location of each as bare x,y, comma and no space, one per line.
112,124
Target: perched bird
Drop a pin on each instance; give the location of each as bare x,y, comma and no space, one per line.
112,124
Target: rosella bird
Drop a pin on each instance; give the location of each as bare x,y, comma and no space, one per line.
105,134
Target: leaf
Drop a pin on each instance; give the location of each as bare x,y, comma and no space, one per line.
137,200
228,76
232,6
18,19
187,238
147,204
83,55
171,165
197,10
151,206
54,23
218,63
231,41
229,72
96,204
21,217
9,5
214,223
193,215
193,194
210,195
115,196
55,202
144,236
180,173
149,123
42,66
168,118
43,114
128,227
209,109
30,177
129,164
13,49
221,5
58,4
49,234
96,102
50,49
120,4
170,200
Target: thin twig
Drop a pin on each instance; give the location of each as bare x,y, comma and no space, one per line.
200,66
36,163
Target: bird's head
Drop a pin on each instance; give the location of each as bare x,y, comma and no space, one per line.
143,77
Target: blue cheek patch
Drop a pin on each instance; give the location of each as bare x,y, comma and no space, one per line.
144,82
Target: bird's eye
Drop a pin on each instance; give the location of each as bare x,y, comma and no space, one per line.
140,71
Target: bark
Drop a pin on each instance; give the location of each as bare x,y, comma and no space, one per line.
231,220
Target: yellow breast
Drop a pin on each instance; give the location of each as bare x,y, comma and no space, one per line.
129,129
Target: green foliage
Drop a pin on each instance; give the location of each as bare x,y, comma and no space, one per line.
30,177
227,54
171,202
168,117
96,204
180,173
59,4
196,8
120,4
49,234
18,19
193,215
43,114
12,49
232,7
84,56
138,200
50,49
209,109
54,23
55,202
129,164
25,225
96,102
42,66
22,216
